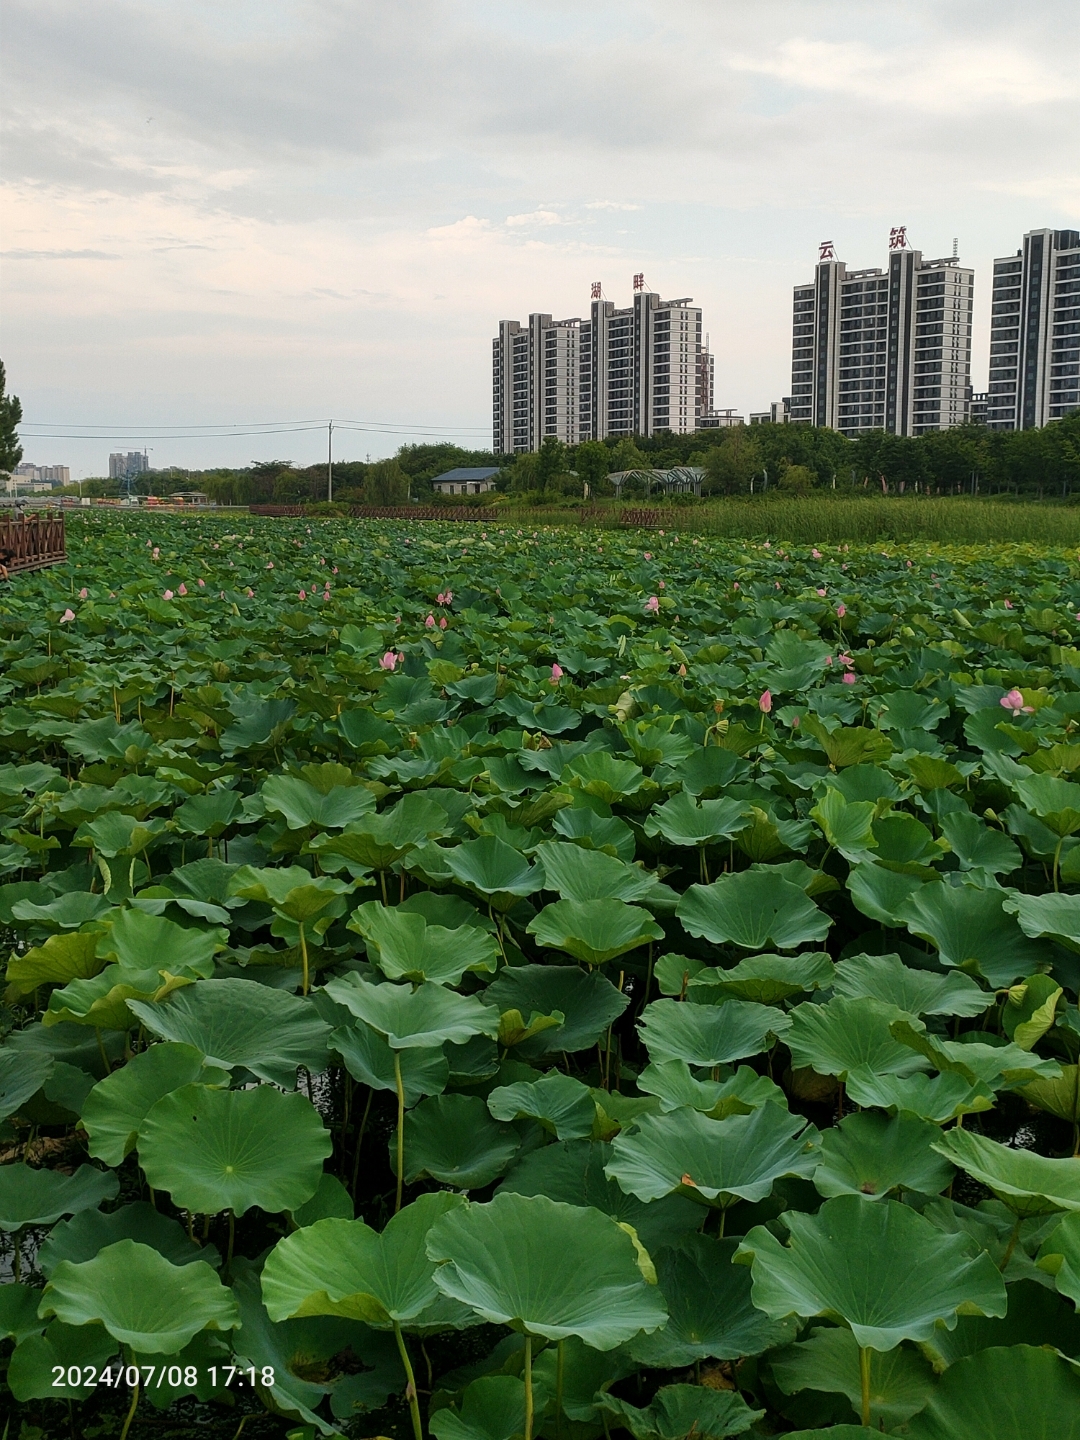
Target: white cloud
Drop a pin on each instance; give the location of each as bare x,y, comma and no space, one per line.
534,218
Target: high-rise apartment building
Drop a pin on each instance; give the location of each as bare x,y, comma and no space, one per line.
883,349
133,463
43,474
629,371
1035,332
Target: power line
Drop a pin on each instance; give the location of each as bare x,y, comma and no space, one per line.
58,430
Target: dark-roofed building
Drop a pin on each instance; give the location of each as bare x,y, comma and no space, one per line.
466,482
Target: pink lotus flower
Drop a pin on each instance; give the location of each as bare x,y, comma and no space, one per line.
821,591
269,564
557,673
430,622
846,660
334,570
909,564
442,622
388,661
828,659
1012,701
183,589
83,593
647,555
652,605
155,553
736,585
849,678
777,584
795,722
67,617
841,611
1008,605
202,584
764,704
303,594
816,554
661,585
168,595
681,670
251,594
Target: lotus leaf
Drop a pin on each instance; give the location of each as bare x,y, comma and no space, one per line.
980,1063
414,1019
710,1313
939,1098
680,1411
751,909
768,978
406,946
682,822
872,1155
675,1085
142,1301
561,1104
18,1312
920,992
369,1059
901,1381
39,1197
236,1024
710,1034
62,958
845,1034
587,1001
851,1262
492,1408
231,1149
21,1076
879,893
302,804
453,1139
32,1369
1017,1393
594,931
578,874
977,847
971,928
545,1268
117,1105
379,841
82,1237
494,870
715,1161
1029,1184
137,941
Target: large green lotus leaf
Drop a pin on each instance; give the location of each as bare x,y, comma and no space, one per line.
710,1313
117,1105
716,1161
852,1263
345,1268
298,1351
682,822
492,1408
848,825
752,909
1055,916
1059,1256
138,941
68,911
495,870
21,1076
303,805
901,1381
989,1066
590,831
232,1149
977,847
61,959
768,979
210,814
449,911
578,874
141,1299
939,1098
454,1140
585,1371
681,1411
563,1105
710,1035
235,1023
594,931
85,1234
293,891
18,1311
843,1034
1019,1392
1036,1315
103,1001
604,775
971,928
114,834
587,1001
369,1059
675,1086
379,841
1029,1184
1056,802
920,992
405,946
420,1018
573,1172
873,1155
32,1369
880,893
39,1197
330,1199
1060,1097
546,1268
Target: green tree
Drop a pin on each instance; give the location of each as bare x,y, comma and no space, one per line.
797,479
386,483
551,462
591,463
11,451
729,465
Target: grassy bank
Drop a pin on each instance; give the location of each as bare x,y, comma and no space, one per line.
818,519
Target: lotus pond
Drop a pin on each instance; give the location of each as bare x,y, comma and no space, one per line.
491,984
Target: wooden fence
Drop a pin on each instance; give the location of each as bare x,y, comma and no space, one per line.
31,542
425,512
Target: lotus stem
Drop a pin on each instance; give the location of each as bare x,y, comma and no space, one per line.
304,955
400,1129
864,1377
360,1141
131,1411
17,1258
528,1387
232,1239
1057,862
410,1388
101,1051
560,1361
1011,1246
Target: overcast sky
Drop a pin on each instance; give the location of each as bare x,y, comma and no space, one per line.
284,210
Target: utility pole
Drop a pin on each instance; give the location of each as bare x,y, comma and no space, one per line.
329,460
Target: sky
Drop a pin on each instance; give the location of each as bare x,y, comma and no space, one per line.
218,218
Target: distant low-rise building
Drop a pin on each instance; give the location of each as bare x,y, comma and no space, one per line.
476,481
778,413
40,477
720,420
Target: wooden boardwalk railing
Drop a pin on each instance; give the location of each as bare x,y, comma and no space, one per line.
31,542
